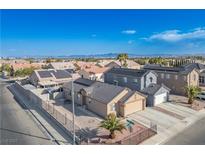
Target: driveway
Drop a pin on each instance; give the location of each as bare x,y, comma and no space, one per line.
165,115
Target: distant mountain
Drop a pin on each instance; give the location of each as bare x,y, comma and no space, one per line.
111,55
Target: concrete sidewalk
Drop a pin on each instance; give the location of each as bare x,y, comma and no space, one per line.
48,125
164,136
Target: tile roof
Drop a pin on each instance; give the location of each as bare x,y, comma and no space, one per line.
153,88
95,69
130,72
62,65
162,68
127,96
100,91
105,92
194,65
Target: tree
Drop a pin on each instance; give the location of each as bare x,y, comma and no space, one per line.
24,72
112,124
192,92
122,57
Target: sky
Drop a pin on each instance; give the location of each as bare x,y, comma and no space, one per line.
82,32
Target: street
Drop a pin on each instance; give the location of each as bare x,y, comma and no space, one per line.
194,135
16,126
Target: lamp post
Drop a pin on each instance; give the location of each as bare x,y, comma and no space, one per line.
73,108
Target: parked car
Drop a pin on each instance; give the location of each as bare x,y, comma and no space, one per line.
201,95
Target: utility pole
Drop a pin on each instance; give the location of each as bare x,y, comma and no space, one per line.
73,105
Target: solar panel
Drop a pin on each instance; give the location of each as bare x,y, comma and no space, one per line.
84,82
44,74
59,74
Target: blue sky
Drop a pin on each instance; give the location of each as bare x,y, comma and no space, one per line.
72,32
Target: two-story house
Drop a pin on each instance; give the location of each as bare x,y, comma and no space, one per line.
144,81
175,78
200,68
93,73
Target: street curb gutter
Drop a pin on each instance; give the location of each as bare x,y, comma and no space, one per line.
59,125
191,123
31,114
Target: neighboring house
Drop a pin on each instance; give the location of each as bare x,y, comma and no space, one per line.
200,68
139,80
131,78
132,64
93,73
103,99
202,78
18,66
61,65
114,64
117,64
49,78
82,64
156,94
175,78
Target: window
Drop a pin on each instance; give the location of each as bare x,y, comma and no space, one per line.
125,79
151,79
135,81
176,77
116,82
112,106
162,75
167,76
89,100
184,78
201,79
78,96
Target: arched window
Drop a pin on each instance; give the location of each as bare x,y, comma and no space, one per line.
151,79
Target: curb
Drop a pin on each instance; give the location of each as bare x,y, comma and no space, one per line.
31,114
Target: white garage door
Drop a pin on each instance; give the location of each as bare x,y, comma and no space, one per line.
161,98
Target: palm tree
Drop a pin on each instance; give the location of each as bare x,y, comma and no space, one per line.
122,57
112,124
192,92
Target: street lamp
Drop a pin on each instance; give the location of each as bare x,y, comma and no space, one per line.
73,108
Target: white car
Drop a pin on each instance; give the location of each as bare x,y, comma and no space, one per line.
201,95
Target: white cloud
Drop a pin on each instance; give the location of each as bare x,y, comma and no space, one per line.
130,32
130,41
93,35
176,35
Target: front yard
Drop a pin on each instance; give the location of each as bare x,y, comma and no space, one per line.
182,100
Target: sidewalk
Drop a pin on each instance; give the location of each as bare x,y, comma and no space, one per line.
44,121
163,137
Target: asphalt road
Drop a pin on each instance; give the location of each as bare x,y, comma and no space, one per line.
194,135
16,126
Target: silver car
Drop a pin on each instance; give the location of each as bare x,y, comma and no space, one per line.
201,95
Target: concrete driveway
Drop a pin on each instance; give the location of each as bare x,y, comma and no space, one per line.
165,115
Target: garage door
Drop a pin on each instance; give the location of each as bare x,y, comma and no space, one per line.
161,98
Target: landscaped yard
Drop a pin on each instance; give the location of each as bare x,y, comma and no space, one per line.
183,101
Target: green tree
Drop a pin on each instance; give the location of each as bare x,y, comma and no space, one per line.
122,57
112,124
24,72
6,67
192,92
